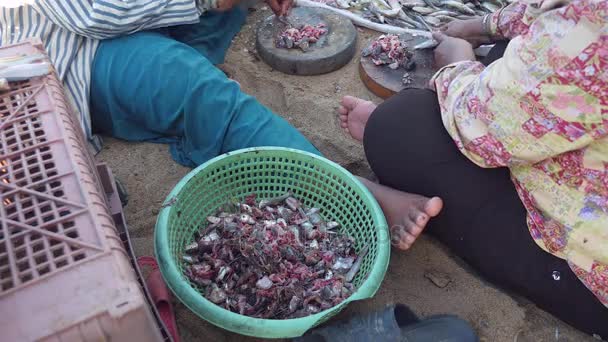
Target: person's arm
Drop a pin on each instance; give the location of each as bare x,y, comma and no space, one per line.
103,19
538,101
511,21
506,23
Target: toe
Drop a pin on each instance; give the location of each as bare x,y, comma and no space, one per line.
405,242
408,239
343,111
418,218
350,102
395,239
398,239
402,238
413,228
433,206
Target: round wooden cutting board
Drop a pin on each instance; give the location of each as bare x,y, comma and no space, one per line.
333,50
385,82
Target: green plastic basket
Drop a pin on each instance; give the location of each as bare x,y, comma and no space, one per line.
269,172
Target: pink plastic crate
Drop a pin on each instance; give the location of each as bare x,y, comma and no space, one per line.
64,272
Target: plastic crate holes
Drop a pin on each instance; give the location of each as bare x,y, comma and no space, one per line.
30,197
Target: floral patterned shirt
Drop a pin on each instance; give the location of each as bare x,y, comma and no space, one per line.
542,111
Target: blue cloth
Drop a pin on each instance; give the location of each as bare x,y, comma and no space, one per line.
396,323
162,86
440,328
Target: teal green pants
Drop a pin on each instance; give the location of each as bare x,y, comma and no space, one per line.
163,86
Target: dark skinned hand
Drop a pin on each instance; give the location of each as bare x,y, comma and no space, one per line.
470,30
280,7
451,50
226,5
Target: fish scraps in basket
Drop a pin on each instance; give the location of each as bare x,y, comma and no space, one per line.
273,259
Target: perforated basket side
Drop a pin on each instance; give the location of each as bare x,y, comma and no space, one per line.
59,248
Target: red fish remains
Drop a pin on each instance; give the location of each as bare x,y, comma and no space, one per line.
272,259
300,37
390,50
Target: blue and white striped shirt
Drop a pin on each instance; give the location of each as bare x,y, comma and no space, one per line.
71,30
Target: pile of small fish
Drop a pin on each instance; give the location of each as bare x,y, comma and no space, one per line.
418,14
272,259
300,37
389,50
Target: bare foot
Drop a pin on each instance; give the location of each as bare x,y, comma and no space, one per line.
407,214
354,113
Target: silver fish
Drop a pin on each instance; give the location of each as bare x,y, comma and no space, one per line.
445,18
490,6
428,44
399,23
264,283
343,265
498,3
385,13
413,3
350,275
423,10
424,23
214,220
444,12
459,6
343,3
434,4
273,201
247,219
432,20
332,225
188,258
292,203
411,20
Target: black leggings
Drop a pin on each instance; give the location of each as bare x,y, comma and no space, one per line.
483,221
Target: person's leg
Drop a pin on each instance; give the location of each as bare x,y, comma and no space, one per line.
407,213
213,35
405,142
149,87
483,220
496,52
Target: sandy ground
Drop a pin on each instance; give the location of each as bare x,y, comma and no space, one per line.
309,103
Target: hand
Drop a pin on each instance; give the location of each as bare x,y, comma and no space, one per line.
451,50
280,7
470,30
226,5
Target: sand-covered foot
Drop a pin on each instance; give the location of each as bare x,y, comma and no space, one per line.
410,218
354,113
407,214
